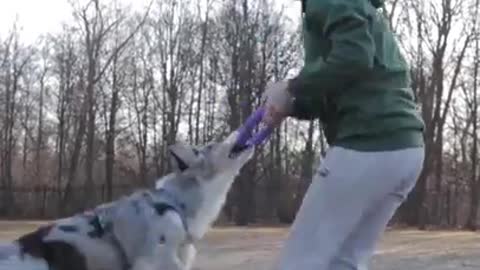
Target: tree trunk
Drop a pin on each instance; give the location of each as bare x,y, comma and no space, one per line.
472,223
110,135
307,167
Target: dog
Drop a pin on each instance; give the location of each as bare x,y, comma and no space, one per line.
149,229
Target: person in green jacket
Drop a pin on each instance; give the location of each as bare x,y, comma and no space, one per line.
356,81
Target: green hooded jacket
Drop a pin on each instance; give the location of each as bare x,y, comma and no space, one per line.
355,78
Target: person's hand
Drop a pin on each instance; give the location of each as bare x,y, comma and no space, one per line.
278,103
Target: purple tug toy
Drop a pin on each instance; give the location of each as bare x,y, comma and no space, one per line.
245,137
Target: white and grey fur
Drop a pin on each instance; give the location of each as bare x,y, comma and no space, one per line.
202,184
134,225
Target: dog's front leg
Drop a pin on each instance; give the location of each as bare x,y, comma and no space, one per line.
187,253
169,259
174,236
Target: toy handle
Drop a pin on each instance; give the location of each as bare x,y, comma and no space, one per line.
246,138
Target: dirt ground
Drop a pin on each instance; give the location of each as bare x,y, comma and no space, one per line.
256,248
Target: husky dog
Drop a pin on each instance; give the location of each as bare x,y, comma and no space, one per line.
150,229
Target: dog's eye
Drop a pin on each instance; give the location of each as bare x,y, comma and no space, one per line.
195,151
68,228
161,208
209,147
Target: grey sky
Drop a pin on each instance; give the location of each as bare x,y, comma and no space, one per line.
37,17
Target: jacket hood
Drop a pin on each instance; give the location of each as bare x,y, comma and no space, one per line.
377,3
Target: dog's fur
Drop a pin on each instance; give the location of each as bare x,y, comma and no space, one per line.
144,230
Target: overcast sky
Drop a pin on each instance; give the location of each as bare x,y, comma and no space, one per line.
37,17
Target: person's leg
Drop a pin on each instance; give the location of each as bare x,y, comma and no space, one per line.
347,185
358,248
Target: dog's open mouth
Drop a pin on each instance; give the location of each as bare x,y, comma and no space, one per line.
237,149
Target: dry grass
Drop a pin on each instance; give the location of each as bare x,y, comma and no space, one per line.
237,249
9,230
256,248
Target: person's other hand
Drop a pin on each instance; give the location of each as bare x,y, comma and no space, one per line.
278,103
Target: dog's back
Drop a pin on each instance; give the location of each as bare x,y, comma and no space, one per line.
176,214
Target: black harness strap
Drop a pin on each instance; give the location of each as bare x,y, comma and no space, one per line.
100,229
169,202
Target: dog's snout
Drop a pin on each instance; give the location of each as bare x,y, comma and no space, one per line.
237,149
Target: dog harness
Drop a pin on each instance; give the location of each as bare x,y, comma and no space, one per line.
100,227
165,201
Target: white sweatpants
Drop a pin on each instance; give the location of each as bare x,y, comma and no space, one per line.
346,209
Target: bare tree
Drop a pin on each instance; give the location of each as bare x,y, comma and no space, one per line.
472,222
434,86
14,60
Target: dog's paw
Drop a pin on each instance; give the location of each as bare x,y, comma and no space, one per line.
187,255
144,264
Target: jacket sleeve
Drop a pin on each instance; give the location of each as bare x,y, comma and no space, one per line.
346,26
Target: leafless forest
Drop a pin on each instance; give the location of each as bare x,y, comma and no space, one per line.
87,113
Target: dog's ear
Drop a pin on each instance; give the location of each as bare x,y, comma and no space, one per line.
58,255
32,243
182,156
